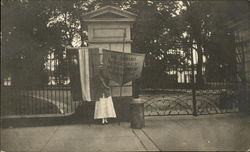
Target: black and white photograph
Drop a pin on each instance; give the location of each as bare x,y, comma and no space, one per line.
125,75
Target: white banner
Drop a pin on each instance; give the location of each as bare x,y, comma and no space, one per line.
122,67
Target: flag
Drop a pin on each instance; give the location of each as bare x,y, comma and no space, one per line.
89,61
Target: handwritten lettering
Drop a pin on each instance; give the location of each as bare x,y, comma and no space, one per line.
122,67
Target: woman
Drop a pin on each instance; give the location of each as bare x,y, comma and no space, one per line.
104,107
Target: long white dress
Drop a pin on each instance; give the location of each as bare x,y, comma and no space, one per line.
104,108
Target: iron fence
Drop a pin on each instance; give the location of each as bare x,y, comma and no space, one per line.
50,93
176,92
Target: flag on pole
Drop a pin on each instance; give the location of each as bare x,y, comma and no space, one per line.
89,61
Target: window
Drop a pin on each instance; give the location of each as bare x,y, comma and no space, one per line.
7,81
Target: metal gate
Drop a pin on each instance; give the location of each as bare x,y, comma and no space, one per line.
176,91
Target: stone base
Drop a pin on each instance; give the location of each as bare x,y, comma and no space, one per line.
122,108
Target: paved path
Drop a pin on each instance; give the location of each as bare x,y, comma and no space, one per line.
213,132
226,132
72,138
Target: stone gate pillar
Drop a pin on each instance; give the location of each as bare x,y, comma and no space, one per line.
241,31
110,28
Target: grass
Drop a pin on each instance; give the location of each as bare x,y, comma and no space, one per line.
33,102
15,105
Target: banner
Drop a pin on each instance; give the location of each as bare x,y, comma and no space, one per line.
122,67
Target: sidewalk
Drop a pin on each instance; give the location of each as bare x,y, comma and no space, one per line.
225,132
212,132
71,138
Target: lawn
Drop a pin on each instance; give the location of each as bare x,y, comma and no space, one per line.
26,106
33,102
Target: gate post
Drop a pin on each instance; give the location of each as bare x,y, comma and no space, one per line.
240,29
243,85
110,28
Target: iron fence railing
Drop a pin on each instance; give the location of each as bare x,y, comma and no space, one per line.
33,101
171,92
51,93
177,92
180,102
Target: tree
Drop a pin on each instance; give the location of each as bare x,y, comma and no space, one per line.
209,36
31,30
25,40
165,31
197,18
221,46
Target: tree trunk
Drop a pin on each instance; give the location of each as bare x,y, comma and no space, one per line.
199,66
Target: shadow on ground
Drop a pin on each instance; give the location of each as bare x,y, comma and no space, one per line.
84,114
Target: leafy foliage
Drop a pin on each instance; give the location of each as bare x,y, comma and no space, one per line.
168,32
